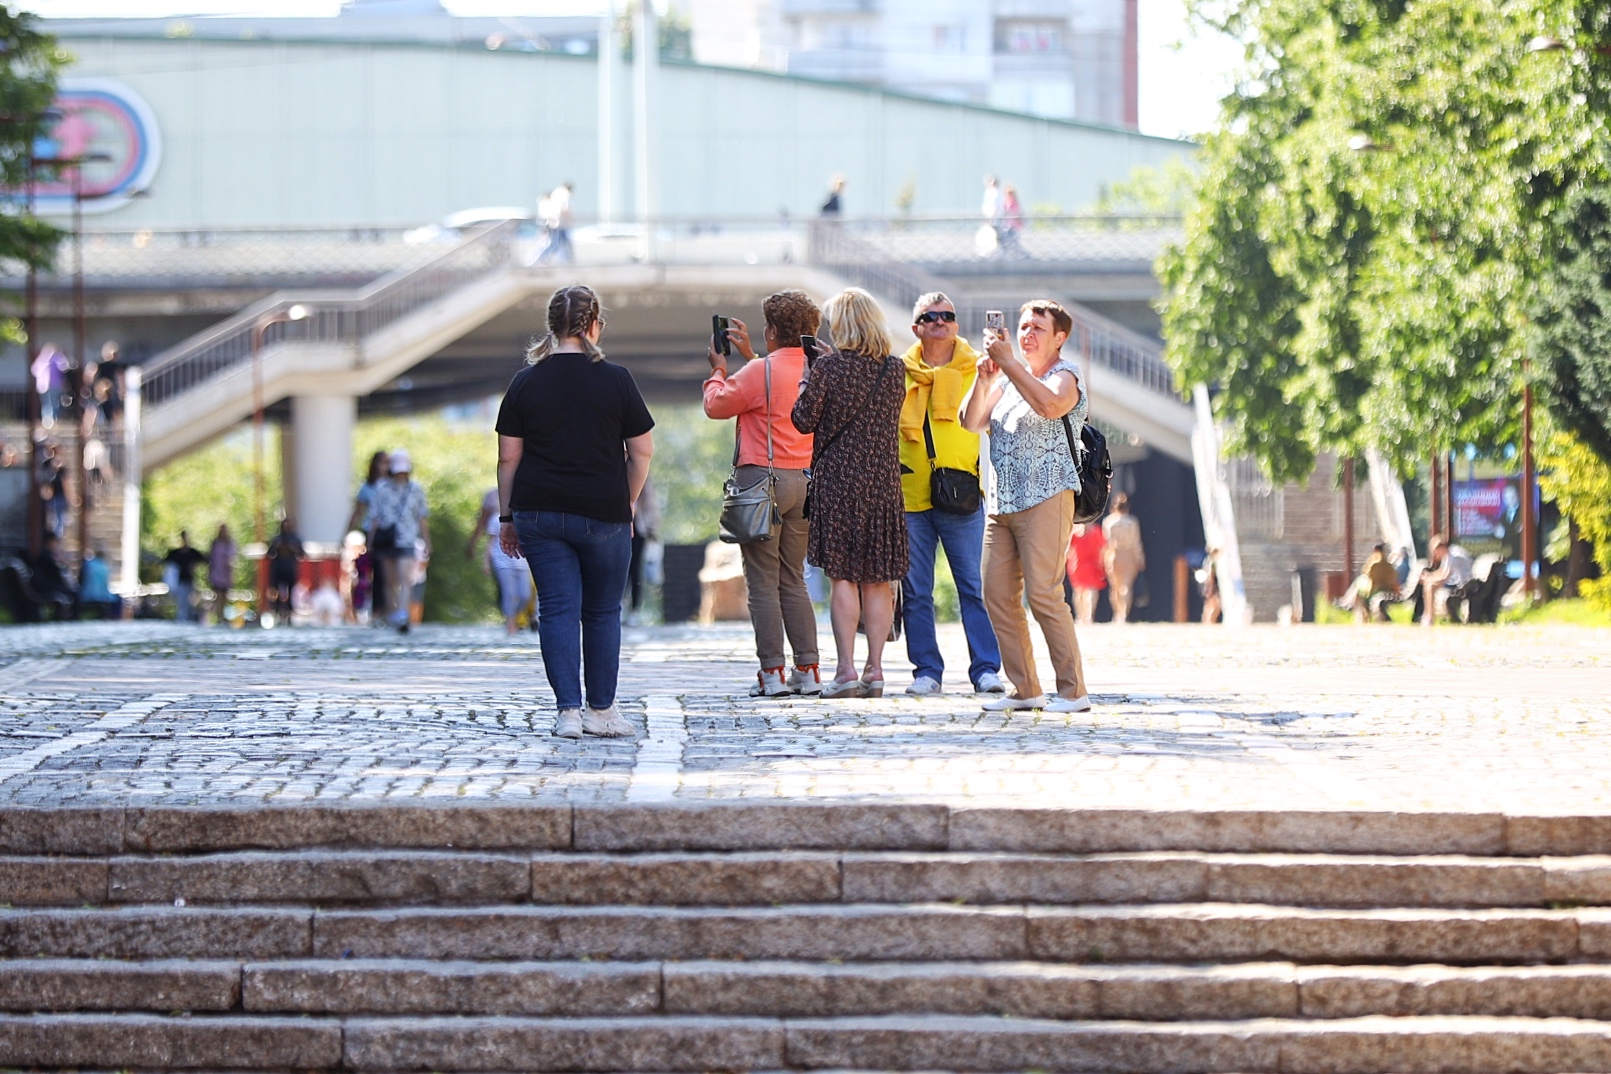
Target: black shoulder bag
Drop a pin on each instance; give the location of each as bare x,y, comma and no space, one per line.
1095,467
953,491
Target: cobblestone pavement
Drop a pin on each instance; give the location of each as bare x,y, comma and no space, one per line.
1464,719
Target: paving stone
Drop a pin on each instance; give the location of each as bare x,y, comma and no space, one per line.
146,1041
70,830
364,986
615,1044
483,826
1594,933
52,882
68,985
1527,991
1537,836
322,876
1241,933
1355,881
547,932
987,878
688,879
743,826
145,933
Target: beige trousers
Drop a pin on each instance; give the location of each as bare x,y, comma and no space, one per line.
774,573
1024,555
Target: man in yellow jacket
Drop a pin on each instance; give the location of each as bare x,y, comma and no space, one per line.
940,370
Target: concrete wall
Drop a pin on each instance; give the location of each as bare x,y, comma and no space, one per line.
274,134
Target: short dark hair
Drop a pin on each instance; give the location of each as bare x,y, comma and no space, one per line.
1061,321
791,314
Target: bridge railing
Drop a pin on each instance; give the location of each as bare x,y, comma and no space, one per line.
856,255
971,245
341,317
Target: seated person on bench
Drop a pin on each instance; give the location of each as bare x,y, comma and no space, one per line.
1447,574
1376,585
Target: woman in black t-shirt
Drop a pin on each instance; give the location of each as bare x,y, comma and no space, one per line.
574,444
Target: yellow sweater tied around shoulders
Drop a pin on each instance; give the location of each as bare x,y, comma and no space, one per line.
945,385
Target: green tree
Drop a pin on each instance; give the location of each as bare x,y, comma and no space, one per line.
1165,190
1372,218
1573,324
1579,480
29,62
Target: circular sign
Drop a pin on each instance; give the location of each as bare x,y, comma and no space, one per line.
113,132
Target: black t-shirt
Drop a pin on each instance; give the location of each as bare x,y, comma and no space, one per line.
574,415
187,560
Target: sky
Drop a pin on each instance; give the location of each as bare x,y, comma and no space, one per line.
1183,73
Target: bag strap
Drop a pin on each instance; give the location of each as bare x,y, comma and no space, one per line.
865,403
1068,432
928,437
767,367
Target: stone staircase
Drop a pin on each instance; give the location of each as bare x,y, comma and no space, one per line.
801,937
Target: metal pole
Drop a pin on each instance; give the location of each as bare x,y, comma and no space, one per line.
80,331
132,476
609,60
645,58
257,428
1348,519
1434,504
36,509
1529,535
1448,495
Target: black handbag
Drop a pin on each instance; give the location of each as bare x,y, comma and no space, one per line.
750,512
953,491
1095,467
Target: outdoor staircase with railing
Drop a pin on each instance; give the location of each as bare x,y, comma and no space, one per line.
801,936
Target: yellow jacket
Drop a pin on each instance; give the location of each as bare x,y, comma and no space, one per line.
938,391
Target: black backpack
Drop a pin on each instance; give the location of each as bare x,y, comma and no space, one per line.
1096,471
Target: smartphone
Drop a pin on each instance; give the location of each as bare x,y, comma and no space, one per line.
996,324
809,345
718,330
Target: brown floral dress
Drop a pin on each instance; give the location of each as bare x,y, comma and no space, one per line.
858,518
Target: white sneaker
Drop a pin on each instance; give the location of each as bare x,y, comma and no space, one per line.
923,686
1069,704
769,683
606,723
569,723
990,683
805,680
1009,703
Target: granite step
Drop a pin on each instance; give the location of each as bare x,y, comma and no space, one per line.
1019,989
1186,932
494,826
425,877
905,1043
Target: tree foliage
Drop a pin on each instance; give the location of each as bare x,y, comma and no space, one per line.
1374,215
29,61
1579,480
1573,324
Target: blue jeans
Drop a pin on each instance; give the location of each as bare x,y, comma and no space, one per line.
963,539
579,565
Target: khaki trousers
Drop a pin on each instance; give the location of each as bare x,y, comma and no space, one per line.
1024,554
774,572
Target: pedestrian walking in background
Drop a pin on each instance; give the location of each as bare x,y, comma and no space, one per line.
1086,576
285,555
1022,404
574,444
49,371
179,569
761,396
1126,557
107,387
1011,226
53,486
221,570
95,596
940,371
510,576
401,533
362,520
555,210
851,399
834,207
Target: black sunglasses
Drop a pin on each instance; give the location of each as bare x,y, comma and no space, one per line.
935,316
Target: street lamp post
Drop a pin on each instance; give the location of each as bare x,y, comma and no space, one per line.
294,313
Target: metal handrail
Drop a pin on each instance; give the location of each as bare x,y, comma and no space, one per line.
1107,342
333,317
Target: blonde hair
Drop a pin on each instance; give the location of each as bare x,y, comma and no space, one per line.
572,312
857,324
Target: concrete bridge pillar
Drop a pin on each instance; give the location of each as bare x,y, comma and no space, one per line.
318,486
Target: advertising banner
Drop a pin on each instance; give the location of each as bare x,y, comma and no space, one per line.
1488,516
